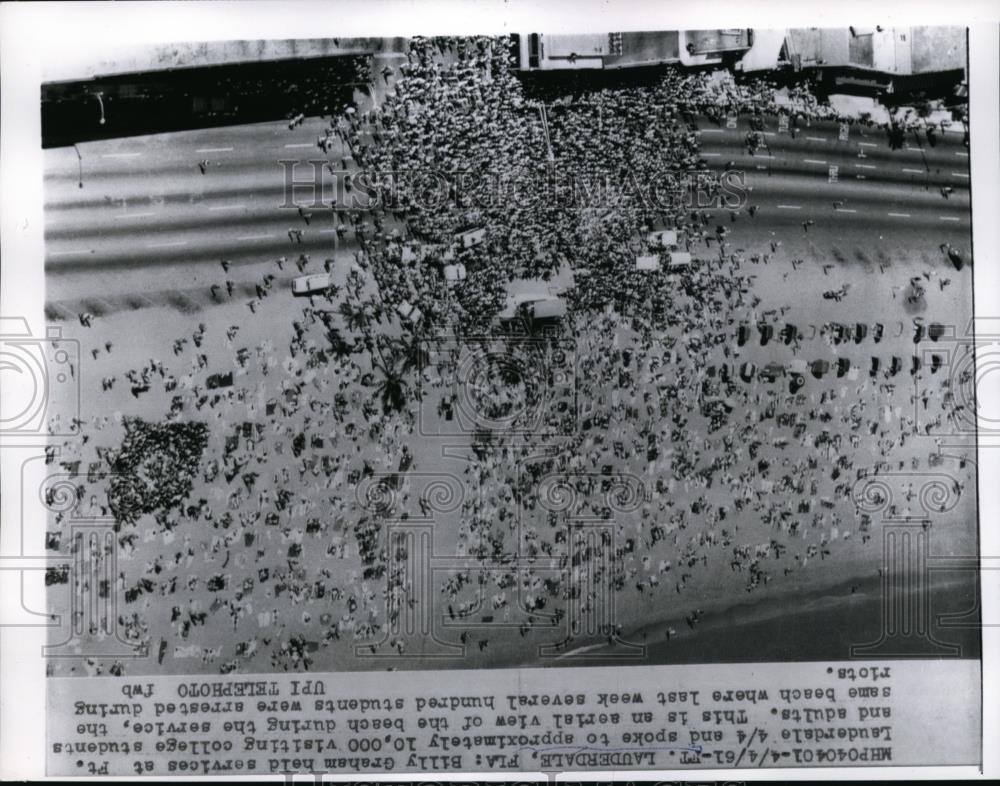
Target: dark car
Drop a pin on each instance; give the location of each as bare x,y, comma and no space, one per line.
772,371
819,368
220,380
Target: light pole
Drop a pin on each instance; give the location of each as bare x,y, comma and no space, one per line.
79,160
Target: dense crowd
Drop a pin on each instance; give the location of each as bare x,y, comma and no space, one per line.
272,544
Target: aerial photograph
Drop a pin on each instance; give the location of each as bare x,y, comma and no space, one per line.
520,350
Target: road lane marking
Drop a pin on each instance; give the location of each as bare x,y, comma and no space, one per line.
963,155
326,231
813,161
949,218
865,166
167,244
67,253
845,210
710,155
761,166
900,215
213,150
227,207
120,155
789,207
816,138
255,237
915,149
959,174
867,144
916,171
135,215
709,130
302,144
768,133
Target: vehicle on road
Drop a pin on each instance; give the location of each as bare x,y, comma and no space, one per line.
679,260
533,308
308,285
664,239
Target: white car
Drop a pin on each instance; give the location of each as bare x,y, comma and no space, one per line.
307,285
533,304
665,238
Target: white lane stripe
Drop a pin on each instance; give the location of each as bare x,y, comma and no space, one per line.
302,144
326,231
789,207
255,237
769,133
963,155
865,166
227,207
66,253
845,210
949,218
213,150
761,166
135,215
916,171
710,155
867,144
813,161
816,138
709,130
900,215
914,149
168,244
120,155
959,174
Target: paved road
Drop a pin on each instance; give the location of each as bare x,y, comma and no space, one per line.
148,224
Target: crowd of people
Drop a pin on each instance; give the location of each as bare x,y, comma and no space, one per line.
273,554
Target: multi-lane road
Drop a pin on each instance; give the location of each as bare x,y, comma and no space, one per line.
148,227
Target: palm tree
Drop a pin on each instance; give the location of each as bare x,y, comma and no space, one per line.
340,346
355,317
413,355
392,387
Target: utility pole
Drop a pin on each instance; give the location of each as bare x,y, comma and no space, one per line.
79,160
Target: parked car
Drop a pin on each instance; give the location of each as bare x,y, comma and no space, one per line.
308,285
